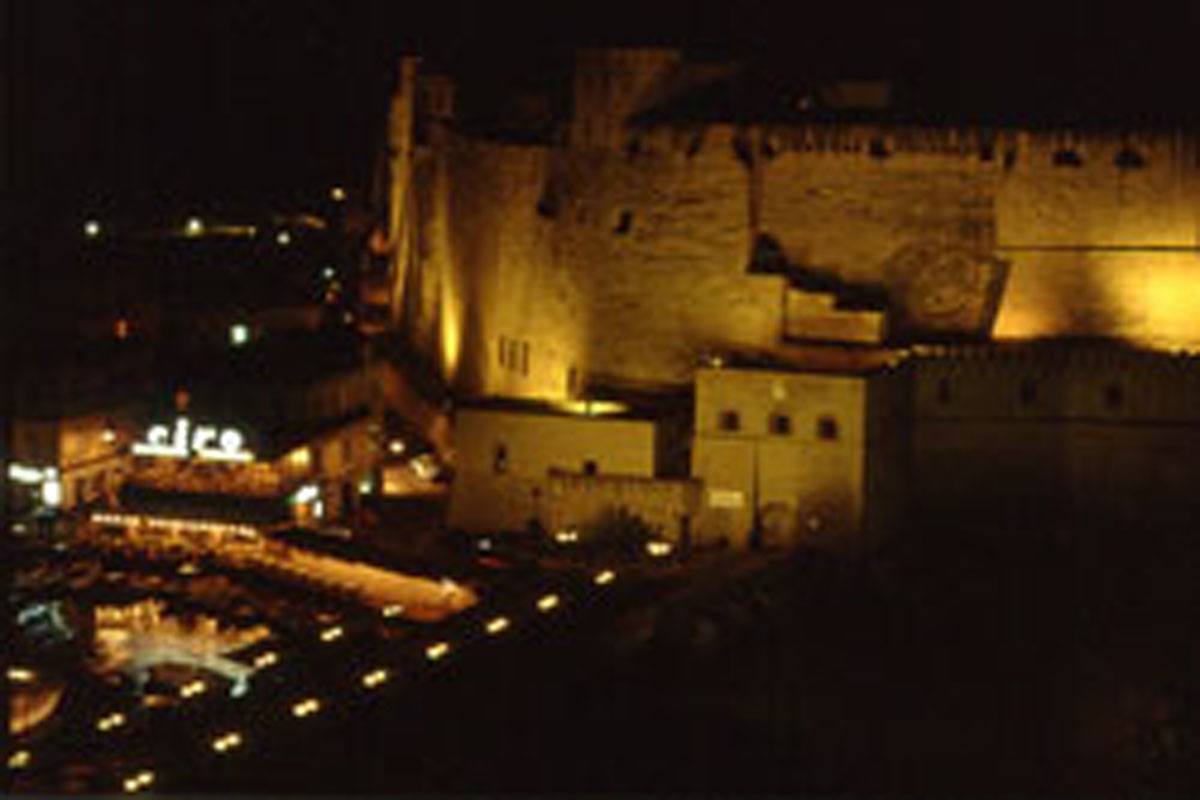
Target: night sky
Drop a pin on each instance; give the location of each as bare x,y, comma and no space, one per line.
133,105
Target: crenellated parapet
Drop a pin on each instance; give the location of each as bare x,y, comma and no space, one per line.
529,265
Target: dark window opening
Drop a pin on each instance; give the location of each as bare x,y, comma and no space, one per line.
589,467
943,391
827,428
1114,396
878,149
729,421
1128,158
524,358
503,350
987,152
1067,158
624,222
780,424
1029,391
547,207
500,459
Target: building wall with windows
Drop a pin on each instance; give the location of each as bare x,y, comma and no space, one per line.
88,451
506,459
781,452
1055,437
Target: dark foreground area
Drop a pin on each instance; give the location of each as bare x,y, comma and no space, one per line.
1058,668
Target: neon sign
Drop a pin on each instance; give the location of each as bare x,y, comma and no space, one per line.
203,441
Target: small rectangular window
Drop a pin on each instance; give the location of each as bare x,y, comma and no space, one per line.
524,358
729,421
589,467
780,424
1067,158
1114,396
827,428
943,391
503,350
500,459
1029,392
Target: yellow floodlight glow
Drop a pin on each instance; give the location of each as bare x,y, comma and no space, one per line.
19,759
497,625
592,408
337,193
306,707
135,783
283,238
393,610
193,689
194,227
604,578
267,659
227,741
91,229
21,675
113,720
375,678
658,549
332,634
437,651
547,603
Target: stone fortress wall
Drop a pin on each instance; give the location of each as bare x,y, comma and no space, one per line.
621,253
1055,434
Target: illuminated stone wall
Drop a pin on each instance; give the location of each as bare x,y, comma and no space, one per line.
505,459
806,481
620,254
577,501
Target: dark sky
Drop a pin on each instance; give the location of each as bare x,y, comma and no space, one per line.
132,103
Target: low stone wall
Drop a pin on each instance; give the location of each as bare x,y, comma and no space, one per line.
575,500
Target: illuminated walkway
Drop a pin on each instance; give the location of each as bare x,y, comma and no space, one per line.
422,599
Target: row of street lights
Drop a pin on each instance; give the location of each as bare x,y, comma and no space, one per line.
373,678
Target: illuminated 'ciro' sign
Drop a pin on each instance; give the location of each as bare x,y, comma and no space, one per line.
202,441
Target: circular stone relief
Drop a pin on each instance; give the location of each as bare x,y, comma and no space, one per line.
939,283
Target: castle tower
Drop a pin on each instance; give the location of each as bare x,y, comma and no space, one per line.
401,221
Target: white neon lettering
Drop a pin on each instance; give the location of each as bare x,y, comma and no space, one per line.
203,435
181,433
206,442
231,440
